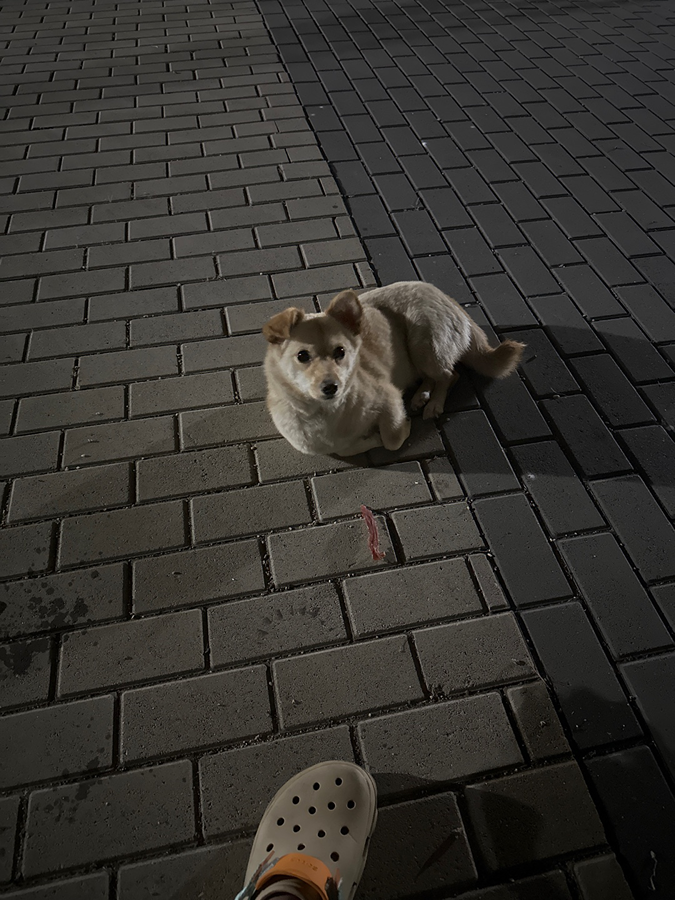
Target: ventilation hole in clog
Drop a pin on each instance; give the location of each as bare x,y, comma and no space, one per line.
316,785
322,834
296,800
350,804
335,856
280,821
301,846
344,830
270,847
296,828
312,810
338,781
331,805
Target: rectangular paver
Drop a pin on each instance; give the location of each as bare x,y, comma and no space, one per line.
158,801
345,681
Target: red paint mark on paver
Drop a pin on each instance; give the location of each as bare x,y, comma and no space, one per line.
373,534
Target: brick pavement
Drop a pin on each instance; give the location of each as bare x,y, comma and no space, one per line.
189,613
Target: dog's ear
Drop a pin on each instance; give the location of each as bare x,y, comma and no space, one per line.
278,329
347,309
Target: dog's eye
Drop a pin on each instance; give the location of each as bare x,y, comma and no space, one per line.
303,356
339,353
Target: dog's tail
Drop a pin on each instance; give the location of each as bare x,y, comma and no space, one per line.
494,362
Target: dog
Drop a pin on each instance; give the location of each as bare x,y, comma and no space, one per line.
335,380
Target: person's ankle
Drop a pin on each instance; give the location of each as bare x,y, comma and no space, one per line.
287,889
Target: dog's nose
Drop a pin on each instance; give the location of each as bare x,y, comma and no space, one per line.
329,388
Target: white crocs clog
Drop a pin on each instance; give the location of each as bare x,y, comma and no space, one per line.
316,829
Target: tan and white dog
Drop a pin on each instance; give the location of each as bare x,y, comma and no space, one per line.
335,380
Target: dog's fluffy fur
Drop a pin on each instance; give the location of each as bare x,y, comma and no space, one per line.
335,380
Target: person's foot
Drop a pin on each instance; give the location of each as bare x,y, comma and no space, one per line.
312,840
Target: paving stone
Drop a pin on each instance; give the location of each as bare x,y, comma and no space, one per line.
269,626
522,552
25,550
198,712
635,795
560,496
544,369
424,441
512,822
583,431
516,414
193,472
9,812
311,554
399,485
78,339
528,272
252,316
633,350
537,720
230,804
249,511
468,737
571,217
394,600
85,887
185,392
473,654
133,303
70,408
56,741
44,496
194,576
227,351
119,440
565,324
436,530
121,533
277,459
662,398
30,453
552,885
618,400
587,688
109,817
314,281
603,573
589,293
251,384
208,870
250,421
653,449
58,601
443,480
406,840
21,379
646,679
25,672
127,365
345,681
644,530
179,327
140,650
601,878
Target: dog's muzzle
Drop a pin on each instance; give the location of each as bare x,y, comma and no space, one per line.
329,389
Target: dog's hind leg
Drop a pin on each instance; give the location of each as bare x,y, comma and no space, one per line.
422,394
438,396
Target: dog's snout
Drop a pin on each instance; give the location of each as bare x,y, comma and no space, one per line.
329,388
